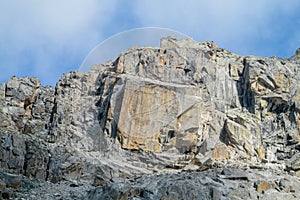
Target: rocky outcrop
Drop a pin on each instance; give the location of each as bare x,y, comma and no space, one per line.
173,115
219,183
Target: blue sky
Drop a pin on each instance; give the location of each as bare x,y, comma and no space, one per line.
48,38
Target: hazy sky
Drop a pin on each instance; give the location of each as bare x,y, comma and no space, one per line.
48,38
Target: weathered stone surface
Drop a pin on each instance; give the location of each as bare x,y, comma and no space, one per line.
263,186
36,161
12,151
227,183
159,112
11,180
294,162
185,106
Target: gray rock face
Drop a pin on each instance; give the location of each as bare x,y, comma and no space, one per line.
218,183
131,128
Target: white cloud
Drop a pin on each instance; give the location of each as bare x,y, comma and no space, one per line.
234,24
46,31
55,36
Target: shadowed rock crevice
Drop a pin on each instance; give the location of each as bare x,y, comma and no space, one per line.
118,107
246,95
104,105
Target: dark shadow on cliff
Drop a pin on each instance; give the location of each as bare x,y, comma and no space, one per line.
104,104
246,95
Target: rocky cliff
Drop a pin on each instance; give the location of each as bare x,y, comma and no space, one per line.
184,121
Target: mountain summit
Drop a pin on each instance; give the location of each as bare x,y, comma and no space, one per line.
187,120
